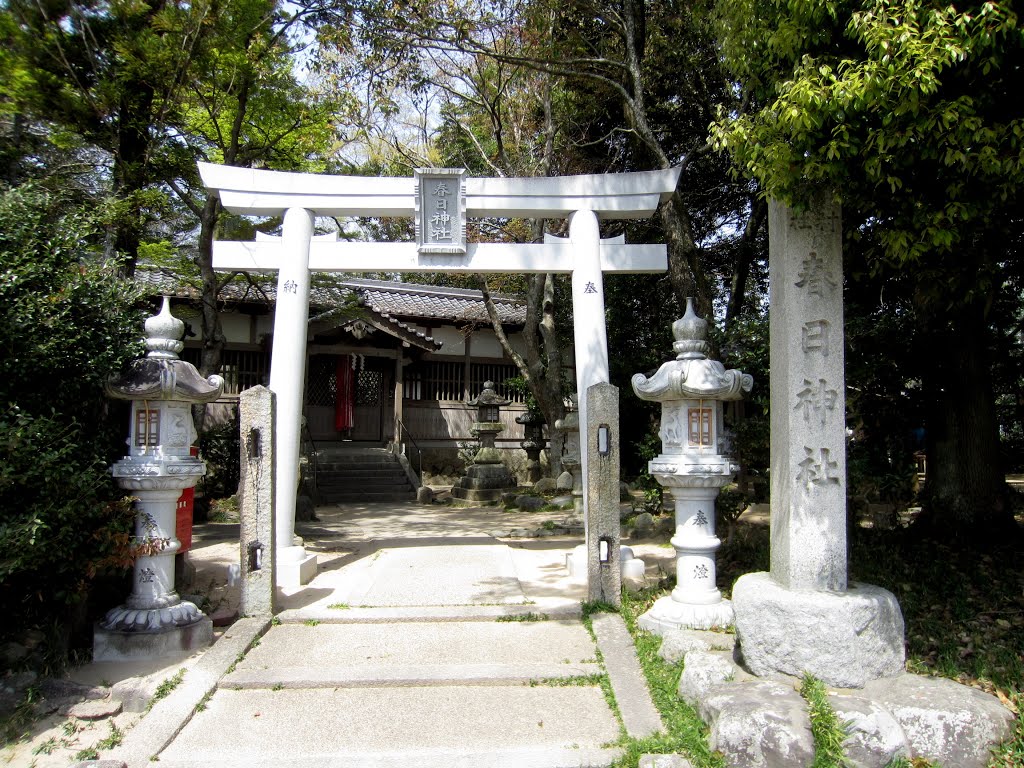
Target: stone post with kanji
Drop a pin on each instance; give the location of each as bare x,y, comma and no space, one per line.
803,616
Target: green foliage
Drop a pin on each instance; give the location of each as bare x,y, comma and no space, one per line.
219,448
685,733
66,322
167,686
906,106
826,727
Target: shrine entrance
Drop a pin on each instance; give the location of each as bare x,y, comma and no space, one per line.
349,399
440,201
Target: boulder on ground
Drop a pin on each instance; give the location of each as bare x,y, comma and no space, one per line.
702,671
545,485
758,724
564,481
944,721
529,503
873,736
425,495
643,525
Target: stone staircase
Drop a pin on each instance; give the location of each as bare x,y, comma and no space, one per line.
346,475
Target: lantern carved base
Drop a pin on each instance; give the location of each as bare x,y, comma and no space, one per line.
116,645
668,614
124,618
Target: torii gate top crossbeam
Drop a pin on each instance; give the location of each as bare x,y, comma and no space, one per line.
269,193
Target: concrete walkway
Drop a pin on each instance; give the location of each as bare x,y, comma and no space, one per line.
422,640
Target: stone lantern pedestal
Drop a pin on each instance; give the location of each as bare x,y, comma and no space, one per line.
487,477
691,390
154,621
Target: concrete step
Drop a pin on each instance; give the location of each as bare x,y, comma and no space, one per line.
435,758
420,653
499,726
342,480
351,497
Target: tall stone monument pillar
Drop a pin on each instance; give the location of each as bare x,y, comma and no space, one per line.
803,616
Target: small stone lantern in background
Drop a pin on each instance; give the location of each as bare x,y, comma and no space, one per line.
691,390
487,477
533,443
154,621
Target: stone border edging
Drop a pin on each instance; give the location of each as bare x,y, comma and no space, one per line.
169,715
639,715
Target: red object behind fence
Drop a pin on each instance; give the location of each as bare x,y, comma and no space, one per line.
183,524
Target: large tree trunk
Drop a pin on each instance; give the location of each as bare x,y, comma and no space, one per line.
213,334
965,494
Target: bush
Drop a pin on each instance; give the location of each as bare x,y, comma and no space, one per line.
219,448
67,321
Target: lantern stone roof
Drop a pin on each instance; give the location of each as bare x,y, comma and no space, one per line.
489,397
692,374
161,375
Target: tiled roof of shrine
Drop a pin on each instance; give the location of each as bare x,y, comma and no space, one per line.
405,301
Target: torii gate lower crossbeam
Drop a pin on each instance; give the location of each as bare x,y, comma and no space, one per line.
583,254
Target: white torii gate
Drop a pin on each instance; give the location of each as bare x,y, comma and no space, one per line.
300,197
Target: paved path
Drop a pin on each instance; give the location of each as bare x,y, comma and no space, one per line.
422,640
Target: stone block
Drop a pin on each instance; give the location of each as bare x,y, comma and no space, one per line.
563,483
675,644
529,503
643,525
874,738
944,722
759,724
546,485
135,693
424,495
663,761
95,710
624,494
845,639
702,671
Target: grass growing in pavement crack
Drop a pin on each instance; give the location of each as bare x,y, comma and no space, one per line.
164,689
523,617
828,730
568,682
685,733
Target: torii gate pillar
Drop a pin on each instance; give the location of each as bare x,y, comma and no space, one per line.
287,364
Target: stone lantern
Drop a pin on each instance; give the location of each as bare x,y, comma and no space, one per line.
154,621
533,442
486,478
691,390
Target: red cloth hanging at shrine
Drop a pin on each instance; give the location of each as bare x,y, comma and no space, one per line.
344,393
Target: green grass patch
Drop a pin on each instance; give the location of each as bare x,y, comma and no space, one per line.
530,616
589,607
828,730
164,689
312,622
685,733
339,606
112,739
570,682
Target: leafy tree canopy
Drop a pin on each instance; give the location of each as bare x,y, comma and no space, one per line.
911,108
